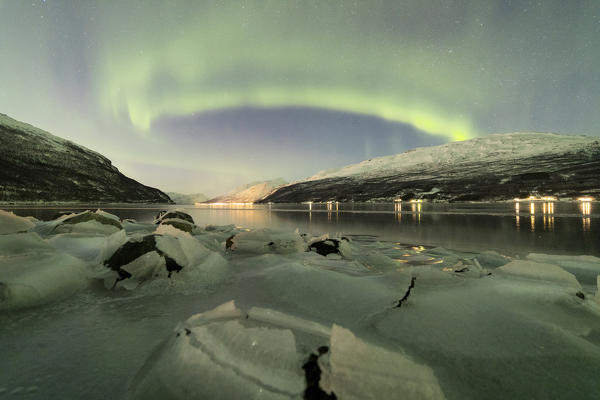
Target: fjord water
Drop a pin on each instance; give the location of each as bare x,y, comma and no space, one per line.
511,228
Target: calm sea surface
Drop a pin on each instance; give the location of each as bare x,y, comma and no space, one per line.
511,228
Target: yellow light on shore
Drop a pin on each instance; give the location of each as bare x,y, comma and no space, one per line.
226,204
416,201
585,199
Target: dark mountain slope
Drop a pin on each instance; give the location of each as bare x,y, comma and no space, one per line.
494,167
38,166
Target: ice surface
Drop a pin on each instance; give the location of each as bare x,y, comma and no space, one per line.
11,223
472,326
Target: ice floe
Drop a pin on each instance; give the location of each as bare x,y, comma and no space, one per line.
267,354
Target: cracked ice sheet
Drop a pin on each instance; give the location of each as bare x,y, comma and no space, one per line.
498,334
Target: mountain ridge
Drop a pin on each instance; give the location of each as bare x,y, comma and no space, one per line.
494,167
37,166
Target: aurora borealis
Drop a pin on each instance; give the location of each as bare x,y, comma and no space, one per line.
203,96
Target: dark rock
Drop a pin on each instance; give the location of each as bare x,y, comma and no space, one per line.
312,374
325,247
131,250
229,242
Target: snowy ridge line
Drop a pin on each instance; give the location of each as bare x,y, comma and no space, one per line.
40,167
11,123
493,168
489,149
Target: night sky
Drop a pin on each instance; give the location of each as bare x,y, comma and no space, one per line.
204,96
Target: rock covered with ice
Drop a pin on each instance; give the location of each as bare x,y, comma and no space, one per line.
87,222
178,219
173,214
11,223
232,354
265,240
166,252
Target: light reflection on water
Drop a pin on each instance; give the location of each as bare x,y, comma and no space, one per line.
586,211
498,226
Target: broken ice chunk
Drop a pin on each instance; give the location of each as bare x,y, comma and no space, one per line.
23,243
492,259
223,354
539,271
30,279
93,248
585,268
88,222
359,370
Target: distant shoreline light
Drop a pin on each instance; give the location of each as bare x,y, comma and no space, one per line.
224,204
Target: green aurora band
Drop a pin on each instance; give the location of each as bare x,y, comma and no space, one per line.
273,54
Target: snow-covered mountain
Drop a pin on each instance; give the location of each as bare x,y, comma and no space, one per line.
249,193
191,198
494,167
36,166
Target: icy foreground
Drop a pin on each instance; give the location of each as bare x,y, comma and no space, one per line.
284,315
